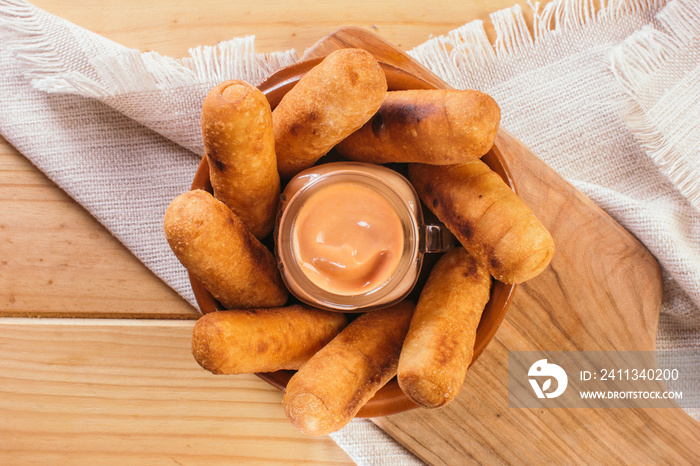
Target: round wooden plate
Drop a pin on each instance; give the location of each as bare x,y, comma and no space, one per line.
389,399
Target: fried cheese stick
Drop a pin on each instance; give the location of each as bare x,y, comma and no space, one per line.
487,217
240,149
329,390
262,340
440,342
335,98
220,251
439,127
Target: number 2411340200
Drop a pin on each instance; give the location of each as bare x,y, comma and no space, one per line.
639,374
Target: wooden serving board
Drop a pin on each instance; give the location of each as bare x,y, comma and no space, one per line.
601,292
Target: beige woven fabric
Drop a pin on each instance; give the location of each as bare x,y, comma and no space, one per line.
658,68
608,98
118,130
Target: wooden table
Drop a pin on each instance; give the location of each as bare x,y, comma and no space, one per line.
105,375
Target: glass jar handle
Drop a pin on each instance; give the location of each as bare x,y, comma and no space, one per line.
435,238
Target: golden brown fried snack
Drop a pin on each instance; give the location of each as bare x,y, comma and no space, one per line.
262,340
440,342
438,127
215,247
487,217
327,392
332,100
240,149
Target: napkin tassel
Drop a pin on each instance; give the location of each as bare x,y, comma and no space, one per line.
467,51
633,65
59,57
22,30
116,70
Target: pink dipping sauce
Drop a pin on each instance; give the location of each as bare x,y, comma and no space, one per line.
350,236
348,239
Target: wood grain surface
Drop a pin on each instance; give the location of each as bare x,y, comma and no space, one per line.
56,260
102,391
129,392
601,292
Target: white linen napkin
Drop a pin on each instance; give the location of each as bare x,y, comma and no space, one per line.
118,130
608,97
659,69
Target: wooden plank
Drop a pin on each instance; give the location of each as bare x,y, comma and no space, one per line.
589,298
57,260
173,27
130,392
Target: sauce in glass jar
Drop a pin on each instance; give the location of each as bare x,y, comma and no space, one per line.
350,236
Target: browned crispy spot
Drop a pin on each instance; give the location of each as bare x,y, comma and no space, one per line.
450,216
398,113
471,269
463,226
262,346
378,126
387,365
294,129
216,161
257,250
428,189
449,349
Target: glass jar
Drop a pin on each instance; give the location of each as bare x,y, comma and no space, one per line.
393,190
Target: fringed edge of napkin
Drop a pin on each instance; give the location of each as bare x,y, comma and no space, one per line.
467,50
130,70
634,63
135,72
60,57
